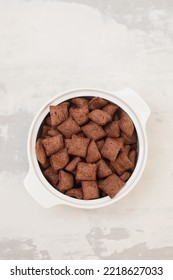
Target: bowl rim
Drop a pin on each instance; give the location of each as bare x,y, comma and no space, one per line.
142,147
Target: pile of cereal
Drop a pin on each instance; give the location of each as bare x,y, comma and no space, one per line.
87,148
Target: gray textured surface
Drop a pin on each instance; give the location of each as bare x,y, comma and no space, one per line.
50,46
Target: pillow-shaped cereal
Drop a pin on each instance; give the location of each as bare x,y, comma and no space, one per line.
77,146
103,170
60,159
51,175
69,127
99,116
111,148
86,171
58,113
126,124
112,129
94,131
97,103
79,114
40,152
53,144
93,153
66,181
90,190
79,101
112,185
75,193
110,109
72,165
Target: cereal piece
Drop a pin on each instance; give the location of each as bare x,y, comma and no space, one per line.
129,140
53,144
94,131
86,171
69,127
79,114
77,146
110,109
59,113
117,168
72,164
97,103
60,159
111,148
93,153
100,117
112,185
66,181
100,144
126,124
53,132
112,129
125,176
44,131
124,161
75,193
40,152
79,101
103,169
51,175
90,190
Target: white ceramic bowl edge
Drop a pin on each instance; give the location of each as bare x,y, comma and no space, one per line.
38,186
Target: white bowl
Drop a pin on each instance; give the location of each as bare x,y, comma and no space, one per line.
35,182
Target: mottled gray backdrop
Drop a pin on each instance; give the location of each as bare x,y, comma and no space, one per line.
50,46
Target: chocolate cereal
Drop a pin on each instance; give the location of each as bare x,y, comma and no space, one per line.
87,148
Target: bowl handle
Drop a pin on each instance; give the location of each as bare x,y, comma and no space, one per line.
38,192
129,96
